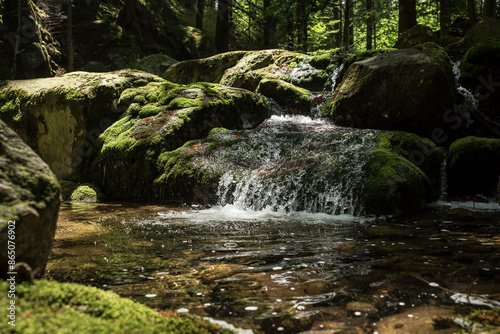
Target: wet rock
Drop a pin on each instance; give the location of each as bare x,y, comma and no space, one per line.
416,35
480,74
62,117
406,90
360,309
29,196
139,158
474,165
295,100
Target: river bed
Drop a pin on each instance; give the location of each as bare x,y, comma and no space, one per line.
285,272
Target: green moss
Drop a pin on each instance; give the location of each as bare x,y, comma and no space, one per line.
321,61
474,148
52,307
480,60
88,193
139,99
149,110
216,131
393,184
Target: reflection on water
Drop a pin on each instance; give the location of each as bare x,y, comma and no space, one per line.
279,272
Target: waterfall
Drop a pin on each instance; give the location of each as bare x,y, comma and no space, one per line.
296,163
335,76
443,196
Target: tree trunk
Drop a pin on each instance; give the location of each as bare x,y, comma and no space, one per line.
444,18
489,8
471,11
18,39
347,24
337,17
407,15
127,13
200,9
70,37
369,25
266,36
223,26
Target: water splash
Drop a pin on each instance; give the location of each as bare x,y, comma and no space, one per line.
296,163
335,76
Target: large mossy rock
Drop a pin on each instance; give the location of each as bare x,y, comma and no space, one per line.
474,167
62,117
416,35
407,90
248,69
291,166
159,118
29,195
484,31
52,307
295,100
480,74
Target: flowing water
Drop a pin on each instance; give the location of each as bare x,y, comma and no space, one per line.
283,272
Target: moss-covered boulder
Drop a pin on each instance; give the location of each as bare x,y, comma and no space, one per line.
62,117
52,307
480,74
416,35
474,167
209,69
406,90
159,118
295,100
289,166
86,193
484,31
29,204
248,69
155,64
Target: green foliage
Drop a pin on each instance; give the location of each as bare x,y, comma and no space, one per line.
66,308
88,193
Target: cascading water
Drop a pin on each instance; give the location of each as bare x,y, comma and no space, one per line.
295,163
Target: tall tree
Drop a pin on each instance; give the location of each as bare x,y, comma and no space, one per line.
346,36
489,8
266,35
223,25
471,11
200,10
444,18
369,24
407,15
337,26
127,13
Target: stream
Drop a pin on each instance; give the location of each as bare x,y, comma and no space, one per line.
283,272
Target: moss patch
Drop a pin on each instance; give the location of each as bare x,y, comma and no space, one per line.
52,307
88,193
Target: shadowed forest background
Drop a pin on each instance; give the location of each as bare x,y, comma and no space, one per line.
49,37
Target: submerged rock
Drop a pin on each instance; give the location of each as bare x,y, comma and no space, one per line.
159,118
29,196
474,167
61,118
407,90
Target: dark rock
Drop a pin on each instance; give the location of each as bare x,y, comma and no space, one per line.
407,90
480,74
416,35
295,100
485,31
29,195
474,167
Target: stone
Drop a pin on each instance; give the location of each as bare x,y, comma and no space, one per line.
416,35
474,167
295,100
29,196
406,90
484,31
61,118
361,309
